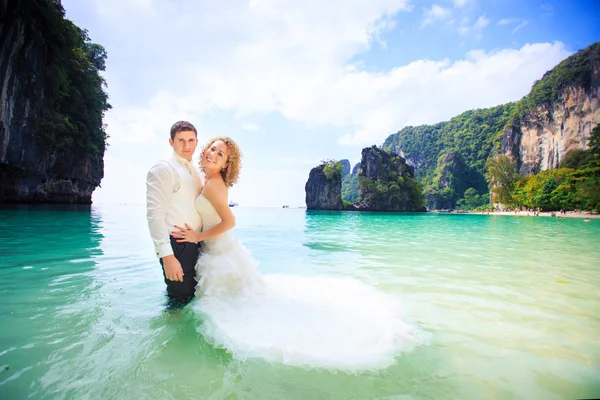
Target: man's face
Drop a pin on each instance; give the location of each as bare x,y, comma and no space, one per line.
184,144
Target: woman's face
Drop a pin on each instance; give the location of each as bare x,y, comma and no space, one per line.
215,157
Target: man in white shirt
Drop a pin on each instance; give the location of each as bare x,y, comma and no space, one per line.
171,188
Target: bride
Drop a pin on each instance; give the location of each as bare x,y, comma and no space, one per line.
308,321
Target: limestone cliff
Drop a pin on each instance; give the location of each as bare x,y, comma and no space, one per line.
538,131
387,183
558,115
51,142
543,138
345,167
324,188
383,182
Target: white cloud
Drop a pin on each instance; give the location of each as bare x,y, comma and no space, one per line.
434,14
521,25
476,29
295,60
461,3
507,21
426,92
250,127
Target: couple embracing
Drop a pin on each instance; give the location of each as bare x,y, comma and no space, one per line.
309,321
188,212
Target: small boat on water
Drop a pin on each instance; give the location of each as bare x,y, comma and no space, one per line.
233,204
285,206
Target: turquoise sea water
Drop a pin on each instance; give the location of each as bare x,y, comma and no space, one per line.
512,306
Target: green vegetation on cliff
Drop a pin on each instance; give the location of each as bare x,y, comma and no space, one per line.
350,188
382,181
575,185
73,89
332,169
397,192
467,140
574,71
501,176
450,157
387,183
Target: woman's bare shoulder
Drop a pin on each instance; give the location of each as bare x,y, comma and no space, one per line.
214,188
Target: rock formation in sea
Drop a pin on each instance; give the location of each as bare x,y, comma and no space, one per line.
384,183
387,183
52,103
324,187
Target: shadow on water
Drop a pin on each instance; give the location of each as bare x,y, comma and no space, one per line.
48,252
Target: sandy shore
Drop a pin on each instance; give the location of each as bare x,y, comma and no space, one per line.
569,214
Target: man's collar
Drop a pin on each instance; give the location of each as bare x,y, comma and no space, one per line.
181,159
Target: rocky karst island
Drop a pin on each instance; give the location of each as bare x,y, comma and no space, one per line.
52,103
547,141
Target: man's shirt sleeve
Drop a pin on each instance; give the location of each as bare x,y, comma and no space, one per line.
159,192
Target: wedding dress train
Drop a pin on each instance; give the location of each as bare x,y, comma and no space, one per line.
308,321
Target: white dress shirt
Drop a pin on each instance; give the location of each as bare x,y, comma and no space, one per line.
171,188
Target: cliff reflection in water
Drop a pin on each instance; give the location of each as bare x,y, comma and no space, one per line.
48,256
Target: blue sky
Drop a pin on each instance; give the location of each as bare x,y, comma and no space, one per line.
298,82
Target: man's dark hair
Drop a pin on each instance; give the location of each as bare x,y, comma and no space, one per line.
182,126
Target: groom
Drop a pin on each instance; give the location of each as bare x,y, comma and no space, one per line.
171,188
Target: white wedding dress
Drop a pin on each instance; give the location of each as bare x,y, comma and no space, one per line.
306,321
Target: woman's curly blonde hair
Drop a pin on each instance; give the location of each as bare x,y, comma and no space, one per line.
231,173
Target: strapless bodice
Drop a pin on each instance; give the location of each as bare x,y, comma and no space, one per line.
210,216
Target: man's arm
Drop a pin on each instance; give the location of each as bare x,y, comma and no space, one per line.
159,192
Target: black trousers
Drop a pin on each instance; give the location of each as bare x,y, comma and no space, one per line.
187,255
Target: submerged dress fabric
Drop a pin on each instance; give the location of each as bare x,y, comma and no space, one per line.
307,321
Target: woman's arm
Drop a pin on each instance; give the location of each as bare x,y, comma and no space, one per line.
216,193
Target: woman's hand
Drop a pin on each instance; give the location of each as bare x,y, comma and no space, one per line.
186,234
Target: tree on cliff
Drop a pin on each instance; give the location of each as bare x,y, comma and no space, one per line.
332,169
350,188
68,81
501,177
75,96
588,188
595,140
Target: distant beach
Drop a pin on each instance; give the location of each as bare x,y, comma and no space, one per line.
551,214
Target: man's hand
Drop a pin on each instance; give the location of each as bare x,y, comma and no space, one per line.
172,268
